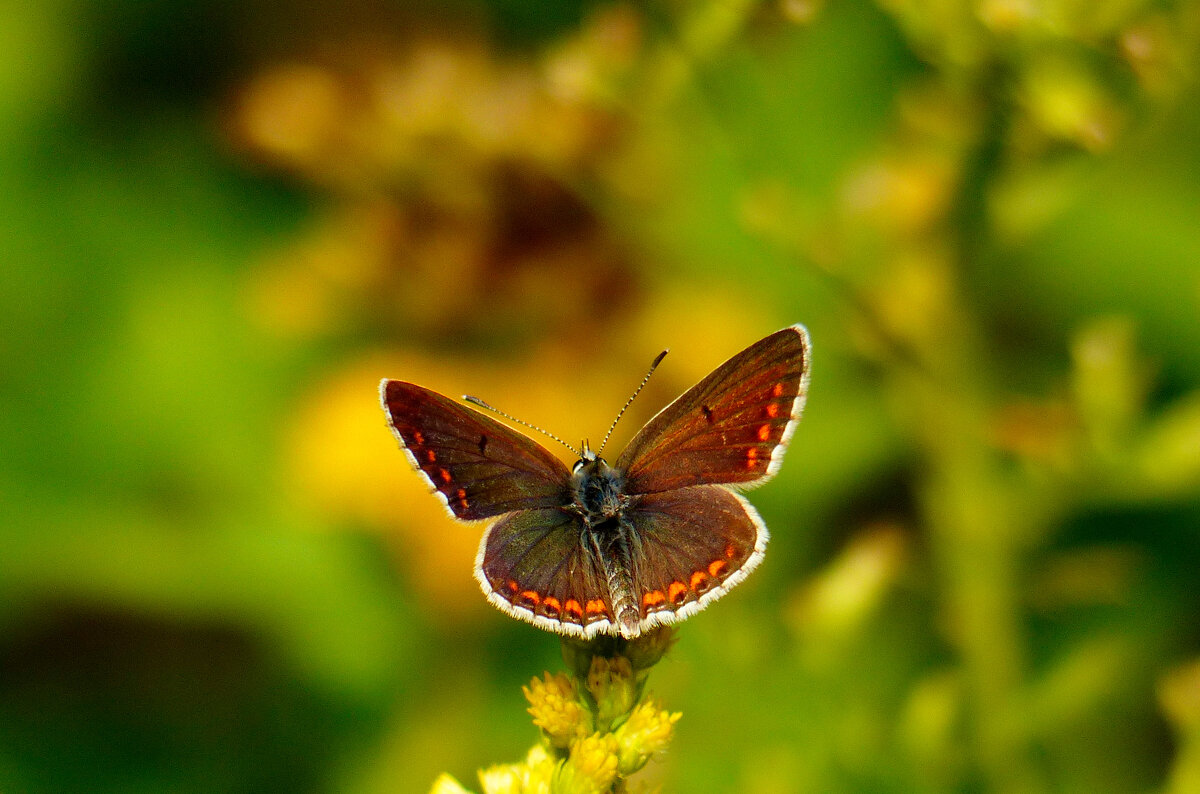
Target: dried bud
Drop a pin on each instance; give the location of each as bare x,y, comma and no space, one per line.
612,686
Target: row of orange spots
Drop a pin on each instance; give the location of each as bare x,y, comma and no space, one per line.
430,456
443,473
553,607
677,591
653,598
764,430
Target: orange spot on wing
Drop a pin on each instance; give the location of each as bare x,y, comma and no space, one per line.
596,607
551,606
777,390
751,458
676,592
699,579
531,596
431,456
764,432
445,475
572,607
513,586
729,550
653,598
418,439
772,410
717,567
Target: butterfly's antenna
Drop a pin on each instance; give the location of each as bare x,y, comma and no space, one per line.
658,359
509,417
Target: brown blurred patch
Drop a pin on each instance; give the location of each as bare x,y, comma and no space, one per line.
464,187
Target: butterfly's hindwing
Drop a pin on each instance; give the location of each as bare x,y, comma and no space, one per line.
477,466
690,546
534,565
731,428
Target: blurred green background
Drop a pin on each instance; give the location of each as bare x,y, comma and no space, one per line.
222,223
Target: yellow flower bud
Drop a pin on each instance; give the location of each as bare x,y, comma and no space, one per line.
502,779
445,784
556,709
540,767
647,731
591,767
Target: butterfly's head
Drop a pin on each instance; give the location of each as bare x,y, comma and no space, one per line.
586,454
590,464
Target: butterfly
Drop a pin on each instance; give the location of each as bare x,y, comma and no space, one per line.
625,547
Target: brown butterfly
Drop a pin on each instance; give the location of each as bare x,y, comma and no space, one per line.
621,548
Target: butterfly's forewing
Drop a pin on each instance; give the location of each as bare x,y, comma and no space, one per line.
693,544
534,565
731,428
478,467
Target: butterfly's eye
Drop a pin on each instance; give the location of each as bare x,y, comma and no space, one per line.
578,465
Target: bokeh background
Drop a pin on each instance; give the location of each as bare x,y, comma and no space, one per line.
222,223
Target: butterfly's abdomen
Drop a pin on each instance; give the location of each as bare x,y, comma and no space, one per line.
609,541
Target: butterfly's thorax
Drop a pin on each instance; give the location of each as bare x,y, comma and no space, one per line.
597,491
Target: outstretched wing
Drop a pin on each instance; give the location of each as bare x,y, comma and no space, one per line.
534,566
730,428
690,547
477,466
